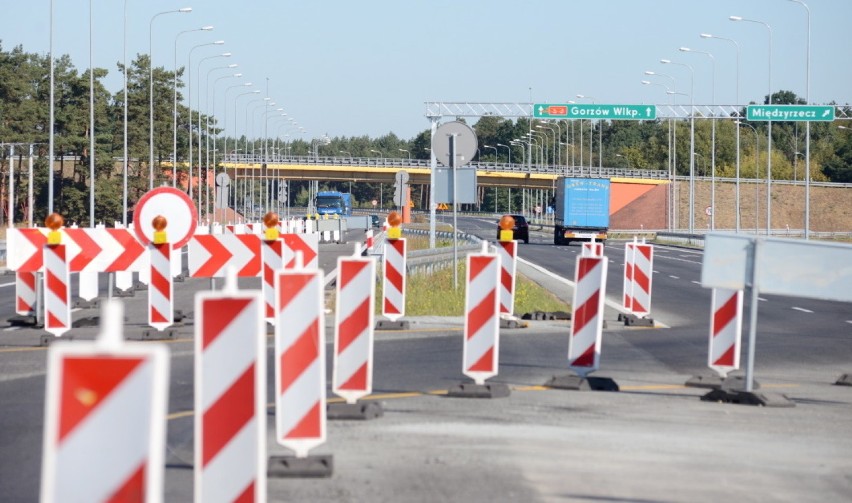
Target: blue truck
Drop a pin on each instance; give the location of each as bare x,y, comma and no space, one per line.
581,208
334,203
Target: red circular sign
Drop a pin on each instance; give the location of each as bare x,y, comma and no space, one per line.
175,206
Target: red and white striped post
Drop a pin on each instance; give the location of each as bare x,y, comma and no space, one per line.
592,249
584,345
57,282
627,298
230,395
393,269
300,413
643,274
105,417
352,376
161,288
271,254
368,241
482,316
725,331
25,293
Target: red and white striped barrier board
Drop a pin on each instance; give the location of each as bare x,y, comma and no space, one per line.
584,345
352,377
643,273
393,285
307,244
725,331
230,395
592,249
482,316
105,420
100,250
25,293
627,298
271,256
508,252
368,241
25,249
161,288
57,290
300,415
211,255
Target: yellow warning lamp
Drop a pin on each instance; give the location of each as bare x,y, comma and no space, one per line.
53,222
270,220
394,220
159,224
506,224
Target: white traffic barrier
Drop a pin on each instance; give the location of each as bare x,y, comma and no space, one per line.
230,395
105,417
725,331
638,277
300,411
584,345
592,249
482,316
57,290
161,289
352,376
25,293
627,297
508,252
393,284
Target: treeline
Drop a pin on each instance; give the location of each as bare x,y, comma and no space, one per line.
24,120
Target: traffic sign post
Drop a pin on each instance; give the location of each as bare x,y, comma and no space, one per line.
790,113
593,111
105,417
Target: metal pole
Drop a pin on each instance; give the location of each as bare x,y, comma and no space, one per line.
91,126
50,135
752,321
29,191
434,167
455,214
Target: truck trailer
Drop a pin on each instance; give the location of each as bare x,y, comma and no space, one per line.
334,203
581,208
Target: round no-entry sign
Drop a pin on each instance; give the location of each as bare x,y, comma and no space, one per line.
171,203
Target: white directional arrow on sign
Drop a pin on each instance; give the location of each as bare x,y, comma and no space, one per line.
210,255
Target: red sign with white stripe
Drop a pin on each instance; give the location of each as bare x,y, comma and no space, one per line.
725,330
105,422
273,262
210,255
308,244
352,377
584,345
482,317
300,415
57,290
25,249
508,252
161,288
627,298
230,397
96,250
393,285
643,273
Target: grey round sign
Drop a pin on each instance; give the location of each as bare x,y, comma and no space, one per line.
223,180
466,143
401,177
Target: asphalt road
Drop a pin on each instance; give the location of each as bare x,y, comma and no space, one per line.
652,441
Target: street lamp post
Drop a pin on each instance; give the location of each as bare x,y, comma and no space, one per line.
189,104
225,112
381,156
591,135
807,126
768,127
627,160
712,135
508,152
737,47
406,151
174,105
151,90
206,135
347,153
691,141
555,138
756,137
495,151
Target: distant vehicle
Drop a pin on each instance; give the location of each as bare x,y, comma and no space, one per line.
581,210
334,203
374,220
521,230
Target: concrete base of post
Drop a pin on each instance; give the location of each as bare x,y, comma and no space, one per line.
737,382
473,390
23,320
158,335
48,339
87,304
392,325
844,380
130,292
358,410
722,395
631,320
577,383
317,466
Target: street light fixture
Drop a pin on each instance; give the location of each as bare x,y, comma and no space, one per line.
189,103
409,154
737,46
347,153
381,156
807,126
174,105
591,135
151,89
508,153
625,159
691,140
768,127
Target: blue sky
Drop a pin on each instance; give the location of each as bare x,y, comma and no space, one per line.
346,68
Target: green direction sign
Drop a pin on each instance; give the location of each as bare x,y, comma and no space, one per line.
605,112
787,113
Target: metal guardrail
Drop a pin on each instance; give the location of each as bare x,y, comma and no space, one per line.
429,260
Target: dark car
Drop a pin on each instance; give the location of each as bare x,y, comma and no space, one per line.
521,230
374,220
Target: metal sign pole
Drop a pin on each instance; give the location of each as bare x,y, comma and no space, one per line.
455,213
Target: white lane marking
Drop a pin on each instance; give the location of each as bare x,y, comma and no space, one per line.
7,284
761,299
9,329
802,309
695,282
849,321
674,277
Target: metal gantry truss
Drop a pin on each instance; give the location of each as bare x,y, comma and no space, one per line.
438,109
